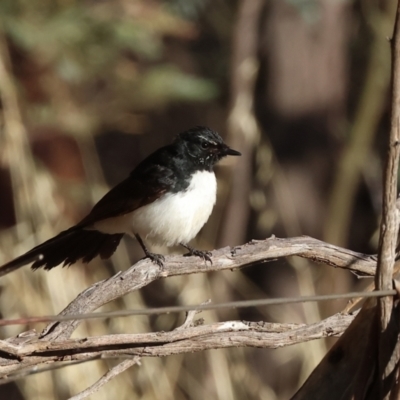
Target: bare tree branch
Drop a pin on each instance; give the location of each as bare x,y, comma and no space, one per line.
157,344
364,363
145,272
118,369
53,344
390,217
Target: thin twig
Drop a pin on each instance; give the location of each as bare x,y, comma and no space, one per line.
33,371
118,369
189,320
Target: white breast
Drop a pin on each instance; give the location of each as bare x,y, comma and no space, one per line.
174,218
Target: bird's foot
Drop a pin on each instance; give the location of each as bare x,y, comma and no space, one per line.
156,258
205,255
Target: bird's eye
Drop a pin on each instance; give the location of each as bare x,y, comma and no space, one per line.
204,145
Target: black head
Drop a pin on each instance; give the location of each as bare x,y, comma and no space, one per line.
204,146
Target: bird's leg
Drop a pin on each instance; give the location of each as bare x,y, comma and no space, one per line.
205,255
156,258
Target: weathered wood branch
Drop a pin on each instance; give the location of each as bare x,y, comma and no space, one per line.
158,344
365,362
118,369
255,252
30,349
389,225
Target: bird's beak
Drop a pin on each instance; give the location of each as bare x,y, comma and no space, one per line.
231,152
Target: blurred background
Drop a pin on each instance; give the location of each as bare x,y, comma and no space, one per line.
89,88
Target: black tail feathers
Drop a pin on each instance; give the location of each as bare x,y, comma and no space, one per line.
67,247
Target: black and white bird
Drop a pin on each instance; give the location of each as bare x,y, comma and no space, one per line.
165,200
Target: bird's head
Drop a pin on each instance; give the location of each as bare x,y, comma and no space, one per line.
204,146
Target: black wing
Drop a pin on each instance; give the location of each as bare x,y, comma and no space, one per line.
146,184
142,187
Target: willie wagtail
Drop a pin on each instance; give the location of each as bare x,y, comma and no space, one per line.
165,200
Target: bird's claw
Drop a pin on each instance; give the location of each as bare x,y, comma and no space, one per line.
205,255
156,258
